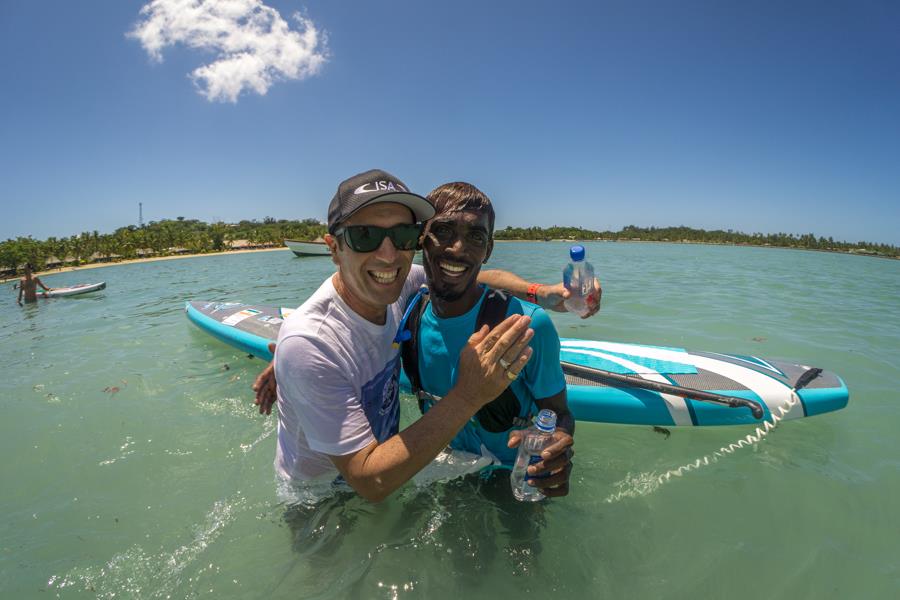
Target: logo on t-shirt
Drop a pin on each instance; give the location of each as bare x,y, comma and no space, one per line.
381,401
388,394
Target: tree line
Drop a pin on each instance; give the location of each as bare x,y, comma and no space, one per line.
157,238
173,236
806,241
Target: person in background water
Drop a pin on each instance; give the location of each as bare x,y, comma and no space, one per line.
336,366
457,241
28,286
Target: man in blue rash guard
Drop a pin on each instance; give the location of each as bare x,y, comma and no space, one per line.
457,241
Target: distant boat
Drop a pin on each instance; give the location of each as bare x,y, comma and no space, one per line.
317,247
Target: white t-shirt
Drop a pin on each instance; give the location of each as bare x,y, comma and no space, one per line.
338,381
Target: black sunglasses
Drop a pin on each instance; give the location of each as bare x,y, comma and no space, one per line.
367,238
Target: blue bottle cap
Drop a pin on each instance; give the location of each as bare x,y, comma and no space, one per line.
546,420
577,253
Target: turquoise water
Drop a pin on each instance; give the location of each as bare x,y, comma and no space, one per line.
135,464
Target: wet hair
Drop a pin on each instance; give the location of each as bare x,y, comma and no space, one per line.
458,196
29,266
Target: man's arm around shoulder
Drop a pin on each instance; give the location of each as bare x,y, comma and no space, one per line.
549,296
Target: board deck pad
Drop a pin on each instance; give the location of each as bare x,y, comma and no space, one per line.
617,361
252,327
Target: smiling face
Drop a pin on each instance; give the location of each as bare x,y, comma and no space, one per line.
456,244
369,281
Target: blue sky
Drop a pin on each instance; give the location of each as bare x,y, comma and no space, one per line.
763,116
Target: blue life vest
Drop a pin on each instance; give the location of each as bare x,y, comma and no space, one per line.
491,425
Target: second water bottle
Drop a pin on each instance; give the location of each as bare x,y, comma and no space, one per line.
578,277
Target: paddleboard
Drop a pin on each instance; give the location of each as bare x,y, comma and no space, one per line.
251,328
74,290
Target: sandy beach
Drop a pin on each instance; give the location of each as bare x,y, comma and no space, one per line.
140,260
282,248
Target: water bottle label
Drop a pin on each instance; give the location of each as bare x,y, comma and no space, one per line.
534,459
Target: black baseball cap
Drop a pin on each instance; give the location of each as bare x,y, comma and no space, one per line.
372,187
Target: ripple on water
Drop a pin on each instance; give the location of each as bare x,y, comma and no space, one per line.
142,573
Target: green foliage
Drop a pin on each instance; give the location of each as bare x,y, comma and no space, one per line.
690,235
158,238
172,236
15,253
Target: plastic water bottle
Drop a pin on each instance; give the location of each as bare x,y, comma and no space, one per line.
578,277
535,439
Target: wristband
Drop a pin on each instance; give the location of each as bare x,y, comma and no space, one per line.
531,294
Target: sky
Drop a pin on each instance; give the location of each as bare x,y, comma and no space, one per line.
754,116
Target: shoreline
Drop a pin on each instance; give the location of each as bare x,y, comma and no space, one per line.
250,250
698,243
132,261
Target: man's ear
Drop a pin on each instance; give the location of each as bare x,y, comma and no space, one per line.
332,244
490,248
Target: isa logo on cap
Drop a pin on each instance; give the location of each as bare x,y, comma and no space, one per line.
379,186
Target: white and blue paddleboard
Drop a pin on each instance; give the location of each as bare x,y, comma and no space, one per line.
251,328
73,290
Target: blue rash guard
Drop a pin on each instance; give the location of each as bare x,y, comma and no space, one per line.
442,338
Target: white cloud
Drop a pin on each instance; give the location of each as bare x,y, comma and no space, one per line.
253,44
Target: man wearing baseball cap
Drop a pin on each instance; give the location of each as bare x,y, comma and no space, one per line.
337,369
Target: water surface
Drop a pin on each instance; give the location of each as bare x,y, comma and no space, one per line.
136,465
